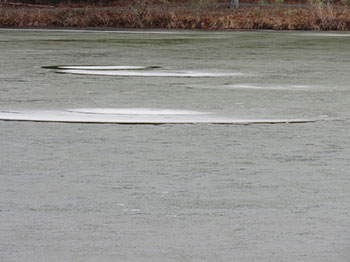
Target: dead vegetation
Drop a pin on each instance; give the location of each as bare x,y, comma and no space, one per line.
316,16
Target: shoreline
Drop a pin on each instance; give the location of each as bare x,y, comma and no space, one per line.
308,18
167,30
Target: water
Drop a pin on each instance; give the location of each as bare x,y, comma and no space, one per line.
176,192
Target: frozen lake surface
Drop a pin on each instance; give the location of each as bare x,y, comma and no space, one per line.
251,162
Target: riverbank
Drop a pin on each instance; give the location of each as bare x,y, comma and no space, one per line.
277,17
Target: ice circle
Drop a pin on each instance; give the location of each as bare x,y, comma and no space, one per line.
135,111
96,67
135,116
134,71
147,73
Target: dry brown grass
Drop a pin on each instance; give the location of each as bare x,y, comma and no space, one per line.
315,17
